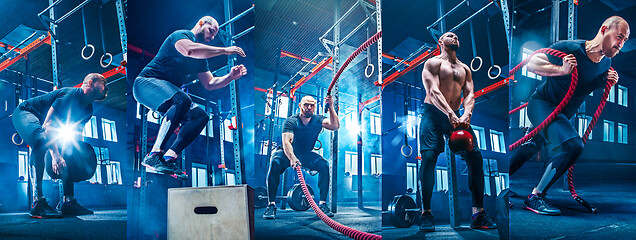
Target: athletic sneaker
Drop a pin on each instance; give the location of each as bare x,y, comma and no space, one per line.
178,173
72,208
270,212
155,161
540,204
41,209
325,209
482,221
426,222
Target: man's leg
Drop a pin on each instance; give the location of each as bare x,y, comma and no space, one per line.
69,206
191,126
277,166
426,176
30,129
175,111
313,161
525,152
475,163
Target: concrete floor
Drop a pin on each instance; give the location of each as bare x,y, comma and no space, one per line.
290,224
104,224
607,189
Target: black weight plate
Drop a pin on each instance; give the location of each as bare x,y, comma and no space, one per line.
296,198
260,197
397,211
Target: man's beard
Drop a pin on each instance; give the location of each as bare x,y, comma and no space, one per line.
307,114
453,47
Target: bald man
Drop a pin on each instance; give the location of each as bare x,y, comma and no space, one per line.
182,54
445,79
300,133
593,60
39,121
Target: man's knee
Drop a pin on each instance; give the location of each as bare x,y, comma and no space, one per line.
181,98
573,146
198,114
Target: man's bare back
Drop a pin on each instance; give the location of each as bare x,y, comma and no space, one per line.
452,77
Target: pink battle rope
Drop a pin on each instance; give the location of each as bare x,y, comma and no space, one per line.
350,232
557,111
362,47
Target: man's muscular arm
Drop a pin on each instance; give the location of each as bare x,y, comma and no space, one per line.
211,82
192,49
539,64
289,149
58,162
469,98
430,79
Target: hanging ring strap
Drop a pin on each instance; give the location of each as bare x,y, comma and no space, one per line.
86,45
498,71
472,63
105,54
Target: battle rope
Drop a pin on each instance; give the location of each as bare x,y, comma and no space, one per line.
350,232
362,47
557,111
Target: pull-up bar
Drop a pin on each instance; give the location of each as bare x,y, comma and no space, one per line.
416,62
237,17
26,50
313,73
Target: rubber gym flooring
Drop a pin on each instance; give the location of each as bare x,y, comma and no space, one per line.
611,188
290,224
104,224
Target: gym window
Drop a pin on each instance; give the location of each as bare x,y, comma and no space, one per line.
523,118
501,182
97,177
151,114
375,123
109,130
411,126
490,170
622,133
524,71
376,164
441,176
351,163
199,175
497,141
608,131
264,147
23,166
611,97
481,136
622,96
113,170
90,129
227,133
282,105
584,121
411,177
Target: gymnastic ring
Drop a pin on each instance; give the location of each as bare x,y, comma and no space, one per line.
110,60
92,51
155,113
318,148
13,140
499,73
472,61
410,150
366,70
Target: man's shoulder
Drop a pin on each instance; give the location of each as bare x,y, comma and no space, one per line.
181,34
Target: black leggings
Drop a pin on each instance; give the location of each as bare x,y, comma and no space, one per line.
180,110
426,176
311,160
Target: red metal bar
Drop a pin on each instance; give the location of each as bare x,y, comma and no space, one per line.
517,108
313,73
414,63
396,59
109,73
139,50
284,53
26,50
371,100
7,46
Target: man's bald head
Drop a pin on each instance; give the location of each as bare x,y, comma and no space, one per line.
307,106
94,85
613,33
449,40
206,29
